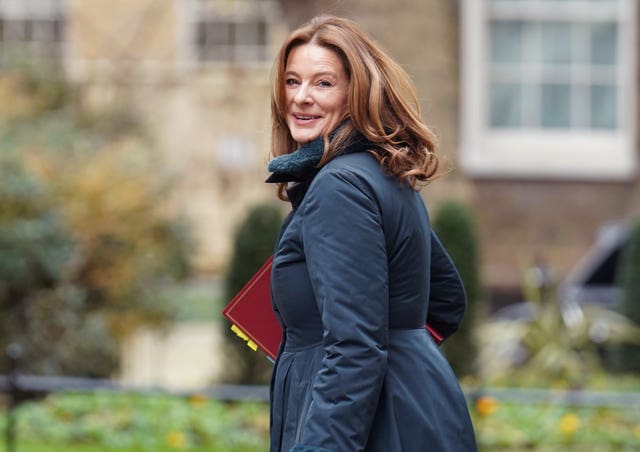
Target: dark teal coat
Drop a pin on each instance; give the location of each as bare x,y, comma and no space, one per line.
356,273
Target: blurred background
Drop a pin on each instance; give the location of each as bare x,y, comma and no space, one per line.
134,136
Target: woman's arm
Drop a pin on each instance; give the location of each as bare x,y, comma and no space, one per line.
345,251
447,297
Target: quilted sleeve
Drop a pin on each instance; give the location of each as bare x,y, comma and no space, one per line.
346,256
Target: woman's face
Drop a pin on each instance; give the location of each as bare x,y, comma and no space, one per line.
316,87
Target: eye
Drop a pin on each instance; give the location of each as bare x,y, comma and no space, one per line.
325,84
291,81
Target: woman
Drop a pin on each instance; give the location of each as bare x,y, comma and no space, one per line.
357,271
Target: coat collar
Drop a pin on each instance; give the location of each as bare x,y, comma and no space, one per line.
302,164
299,167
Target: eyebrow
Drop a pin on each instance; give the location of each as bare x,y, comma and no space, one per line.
317,74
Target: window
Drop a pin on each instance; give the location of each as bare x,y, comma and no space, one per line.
35,26
232,30
549,88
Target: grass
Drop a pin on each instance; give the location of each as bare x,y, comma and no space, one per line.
25,446
533,427
142,423
511,426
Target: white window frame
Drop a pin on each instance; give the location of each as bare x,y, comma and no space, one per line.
539,153
191,13
34,10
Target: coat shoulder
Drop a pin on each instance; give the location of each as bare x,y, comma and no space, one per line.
360,170
359,163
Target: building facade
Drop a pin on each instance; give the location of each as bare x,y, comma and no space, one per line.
548,127
534,103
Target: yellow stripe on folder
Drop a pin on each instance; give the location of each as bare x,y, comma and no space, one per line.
252,345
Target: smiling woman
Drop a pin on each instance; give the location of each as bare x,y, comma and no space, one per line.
357,270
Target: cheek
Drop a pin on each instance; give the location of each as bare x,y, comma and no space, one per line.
287,98
334,107
345,108
342,105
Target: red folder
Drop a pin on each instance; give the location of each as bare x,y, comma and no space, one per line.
251,313
252,316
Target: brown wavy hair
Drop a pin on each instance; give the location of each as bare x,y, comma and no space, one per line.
382,103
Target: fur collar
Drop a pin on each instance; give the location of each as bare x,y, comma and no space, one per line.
302,164
299,165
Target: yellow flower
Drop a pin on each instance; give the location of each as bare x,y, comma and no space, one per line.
569,423
486,405
176,439
197,400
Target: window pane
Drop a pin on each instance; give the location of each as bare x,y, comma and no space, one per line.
506,42
201,35
37,25
506,105
262,33
603,107
556,105
28,30
58,29
219,34
246,33
604,43
213,40
43,31
556,42
15,30
233,30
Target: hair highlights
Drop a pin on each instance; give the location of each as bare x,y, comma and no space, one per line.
382,100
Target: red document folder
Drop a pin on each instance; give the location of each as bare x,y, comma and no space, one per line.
251,313
252,316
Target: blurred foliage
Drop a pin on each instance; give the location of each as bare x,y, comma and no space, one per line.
254,242
154,422
197,299
455,226
554,341
517,426
29,87
626,357
86,241
142,423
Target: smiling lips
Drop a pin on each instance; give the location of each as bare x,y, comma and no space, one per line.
302,118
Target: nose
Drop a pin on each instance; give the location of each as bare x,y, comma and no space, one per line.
303,95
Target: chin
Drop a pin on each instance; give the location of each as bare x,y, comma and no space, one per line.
302,138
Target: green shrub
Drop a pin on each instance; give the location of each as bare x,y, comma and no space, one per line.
29,86
253,244
557,342
86,242
454,224
626,356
